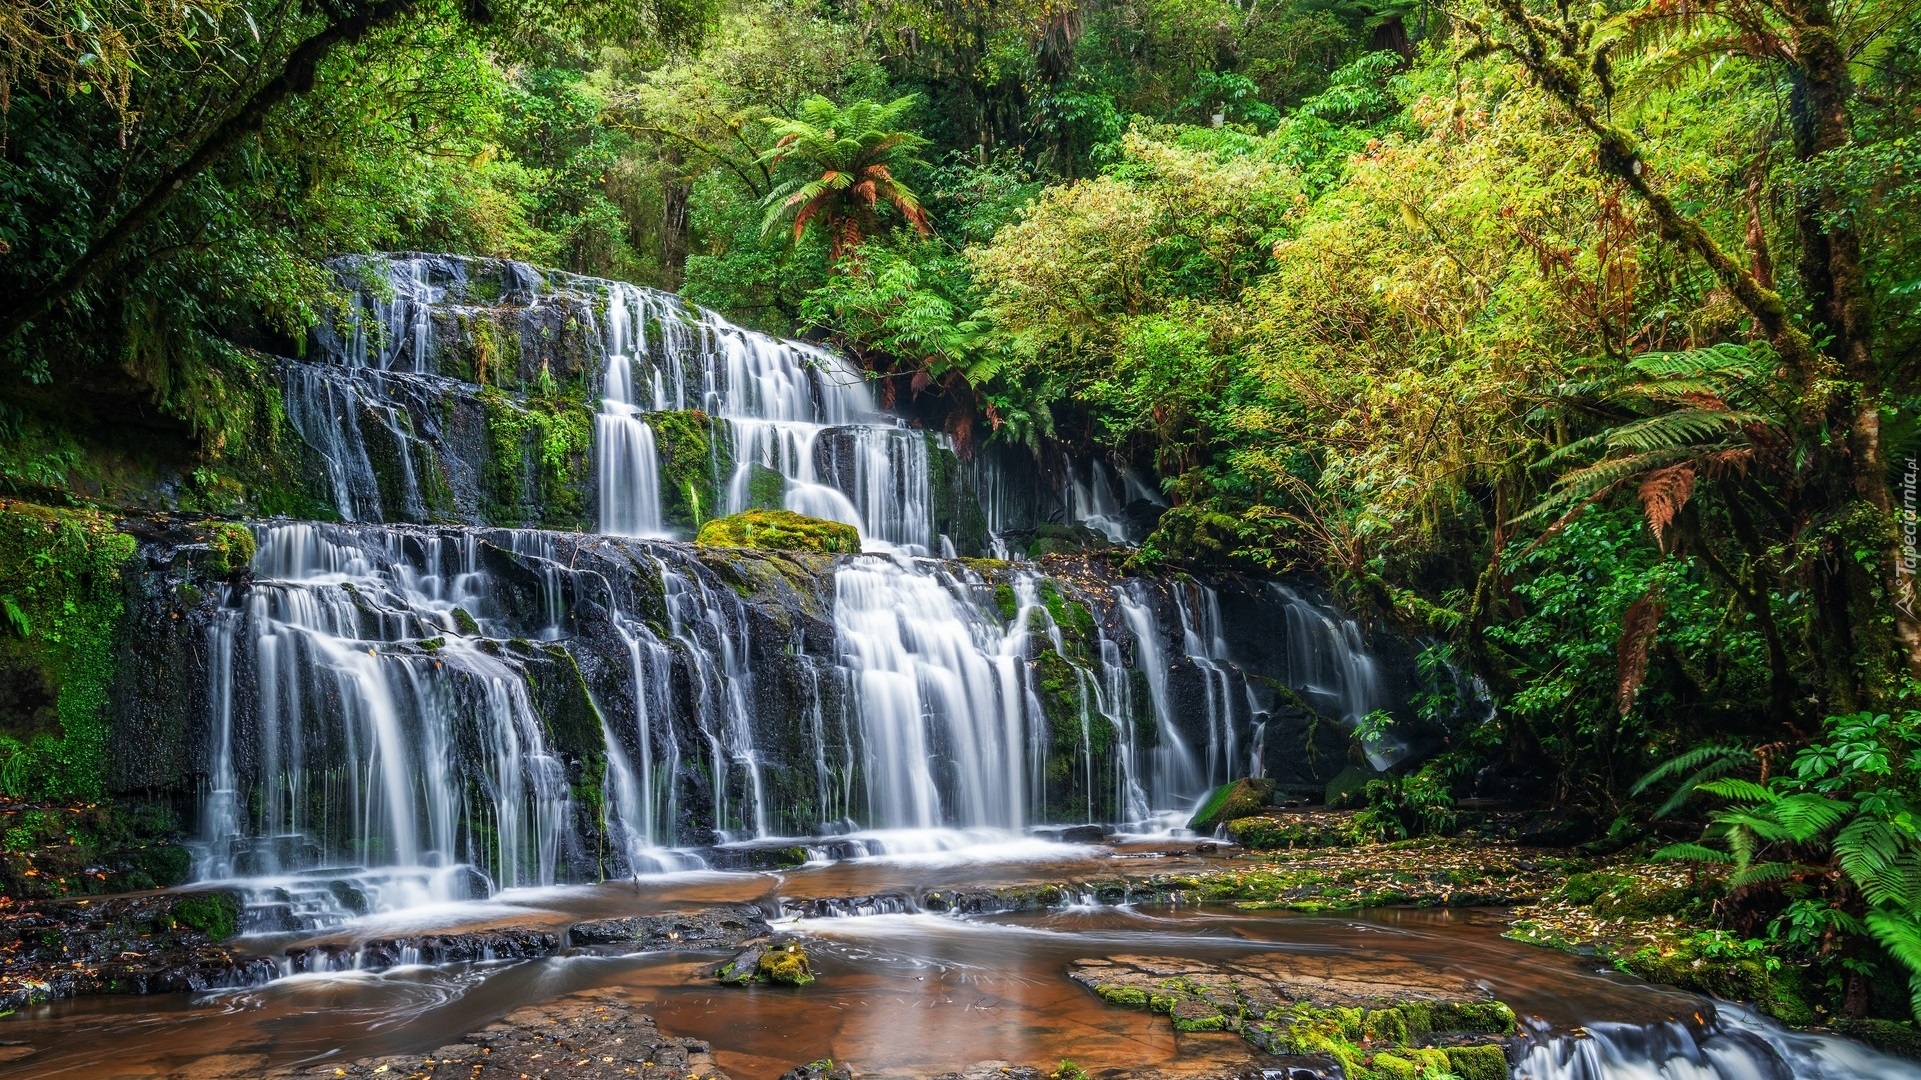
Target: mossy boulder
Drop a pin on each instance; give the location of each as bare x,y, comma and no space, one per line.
780,530
787,966
215,914
1242,798
1485,1062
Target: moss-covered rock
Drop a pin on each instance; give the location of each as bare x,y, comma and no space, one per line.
692,462
62,594
780,530
1375,1017
1242,798
787,966
215,914
1277,832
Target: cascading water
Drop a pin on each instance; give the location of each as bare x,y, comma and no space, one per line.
1736,1044
629,467
390,698
343,644
941,704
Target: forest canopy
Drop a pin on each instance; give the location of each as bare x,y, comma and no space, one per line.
1581,345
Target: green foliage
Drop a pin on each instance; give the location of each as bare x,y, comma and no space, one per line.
1836,835
62,590
1399,807
847,159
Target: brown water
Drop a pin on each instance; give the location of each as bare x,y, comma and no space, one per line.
910,994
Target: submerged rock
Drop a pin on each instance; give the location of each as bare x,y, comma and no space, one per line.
1382,1017
712,929
780,530
583,1037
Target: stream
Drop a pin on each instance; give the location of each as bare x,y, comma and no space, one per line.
914,993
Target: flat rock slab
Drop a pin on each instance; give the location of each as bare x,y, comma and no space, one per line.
1344,1009
1266,980
581,1037
713,928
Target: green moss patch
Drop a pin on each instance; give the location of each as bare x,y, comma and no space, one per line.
780,530
61,598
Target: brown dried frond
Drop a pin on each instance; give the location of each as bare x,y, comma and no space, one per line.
1664,492
1638,624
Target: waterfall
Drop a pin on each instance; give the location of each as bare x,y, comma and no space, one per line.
437,711
1094,503
1736,1044
939,695
629,469
1175,775
361,693
712,632
1329,664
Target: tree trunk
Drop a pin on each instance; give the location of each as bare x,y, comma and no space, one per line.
675,191
1833,274
295,78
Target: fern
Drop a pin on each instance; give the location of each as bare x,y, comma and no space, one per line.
1700,853
1702,763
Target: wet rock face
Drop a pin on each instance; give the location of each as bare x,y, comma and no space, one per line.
582,1037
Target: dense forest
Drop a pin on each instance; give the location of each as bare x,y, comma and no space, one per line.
1580,343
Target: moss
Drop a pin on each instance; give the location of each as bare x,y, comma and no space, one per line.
1348,789
539,459
1127,997
61,599
787,966
1390,1067
1242,798
766,489
1478,1017
465,623
1487,1062
1270,834
1006,602
216,915
1387,1026
231,547
780,530
692,461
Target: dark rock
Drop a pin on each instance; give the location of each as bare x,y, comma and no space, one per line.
143,944
743,968
1083,834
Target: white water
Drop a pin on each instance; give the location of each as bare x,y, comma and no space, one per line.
1737,1045
333,623
629,469
941,701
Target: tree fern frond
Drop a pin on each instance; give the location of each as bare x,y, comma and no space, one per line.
1758,873
1739,789
1700,853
